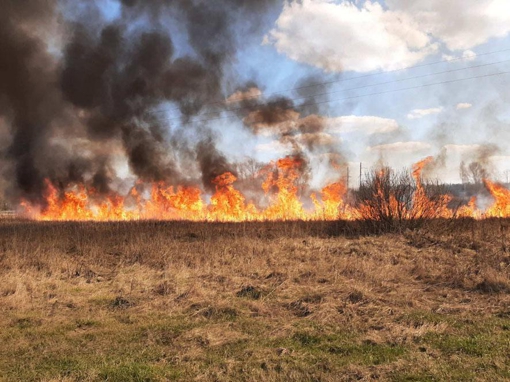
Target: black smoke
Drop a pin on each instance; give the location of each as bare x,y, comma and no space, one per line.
104,82
212,163
30,101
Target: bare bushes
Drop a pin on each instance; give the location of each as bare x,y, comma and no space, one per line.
391,200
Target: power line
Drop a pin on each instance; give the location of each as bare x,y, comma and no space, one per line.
368,95
417,87
466,57
239,108
447,60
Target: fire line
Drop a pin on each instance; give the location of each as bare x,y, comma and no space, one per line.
228,204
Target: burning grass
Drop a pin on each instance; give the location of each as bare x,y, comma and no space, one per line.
386,196
154,301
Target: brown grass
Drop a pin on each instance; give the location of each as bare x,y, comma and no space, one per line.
294,301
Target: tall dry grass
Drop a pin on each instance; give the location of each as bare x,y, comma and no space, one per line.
286,301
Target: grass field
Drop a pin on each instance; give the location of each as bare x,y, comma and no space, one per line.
314,301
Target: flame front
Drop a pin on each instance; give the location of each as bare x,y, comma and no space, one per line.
228,204
501,206
423,206
282,188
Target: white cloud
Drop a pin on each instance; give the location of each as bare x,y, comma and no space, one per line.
402,147
363,36
420,113
342,36
364,124
460,24
467,55
463,105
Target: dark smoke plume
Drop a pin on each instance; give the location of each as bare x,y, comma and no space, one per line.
108,86
295,121
295,125
29,100
312,93
211,162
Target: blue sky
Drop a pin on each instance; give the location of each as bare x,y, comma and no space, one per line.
335,41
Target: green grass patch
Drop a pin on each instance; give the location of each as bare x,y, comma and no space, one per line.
128,372
419,318
477,346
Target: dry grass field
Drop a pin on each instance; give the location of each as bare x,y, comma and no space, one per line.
294,301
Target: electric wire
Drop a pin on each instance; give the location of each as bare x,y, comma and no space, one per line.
228,117
271,94
240,108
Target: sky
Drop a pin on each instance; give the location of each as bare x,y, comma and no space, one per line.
345,40
367,82
431,46
355,45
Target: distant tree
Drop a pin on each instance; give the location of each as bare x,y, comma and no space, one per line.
473,173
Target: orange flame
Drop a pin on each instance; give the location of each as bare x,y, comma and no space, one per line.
501,206
423,206
286,205
333,204
284,202
228,204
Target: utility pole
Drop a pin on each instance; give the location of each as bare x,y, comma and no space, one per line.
360,173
